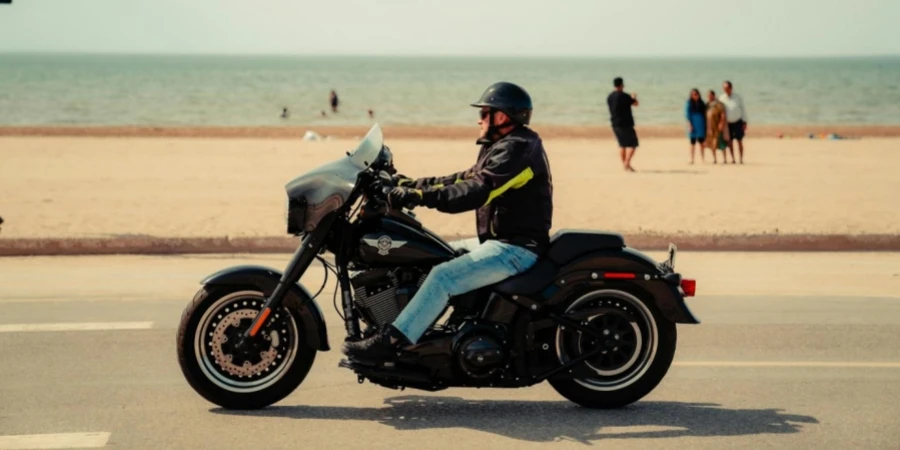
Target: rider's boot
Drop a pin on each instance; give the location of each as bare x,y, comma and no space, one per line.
383,346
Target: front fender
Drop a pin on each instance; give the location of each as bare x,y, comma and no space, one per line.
298,300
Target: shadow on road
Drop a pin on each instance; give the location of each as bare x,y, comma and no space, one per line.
554,421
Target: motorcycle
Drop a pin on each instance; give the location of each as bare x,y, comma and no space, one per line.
593,317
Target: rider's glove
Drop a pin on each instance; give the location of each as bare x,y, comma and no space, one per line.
401,197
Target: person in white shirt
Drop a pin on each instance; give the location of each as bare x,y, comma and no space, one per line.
736,114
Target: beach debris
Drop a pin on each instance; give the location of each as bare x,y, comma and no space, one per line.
834,137
312,136
828,136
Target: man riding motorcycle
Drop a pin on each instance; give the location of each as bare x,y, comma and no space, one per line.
511,188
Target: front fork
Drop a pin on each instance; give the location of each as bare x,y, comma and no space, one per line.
351,324
303,257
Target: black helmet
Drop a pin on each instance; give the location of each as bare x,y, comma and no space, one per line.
509,98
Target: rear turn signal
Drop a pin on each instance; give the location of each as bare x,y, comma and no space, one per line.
689,287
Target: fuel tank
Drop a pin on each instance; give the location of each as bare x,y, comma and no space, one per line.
387,241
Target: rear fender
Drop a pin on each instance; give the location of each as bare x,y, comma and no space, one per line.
649,282
298,300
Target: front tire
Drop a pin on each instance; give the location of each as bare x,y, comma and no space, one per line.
257,375
636,361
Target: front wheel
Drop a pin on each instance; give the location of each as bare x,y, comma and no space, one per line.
263,371
639,347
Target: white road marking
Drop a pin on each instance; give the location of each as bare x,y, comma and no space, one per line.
75,326
59,440
822,364
624,430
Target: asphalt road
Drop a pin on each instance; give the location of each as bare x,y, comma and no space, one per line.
795,351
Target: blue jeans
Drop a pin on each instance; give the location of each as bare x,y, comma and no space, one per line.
484,265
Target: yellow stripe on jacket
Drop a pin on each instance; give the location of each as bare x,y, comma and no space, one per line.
515,182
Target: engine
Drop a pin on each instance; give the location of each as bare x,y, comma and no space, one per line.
480,357
476,350
380,294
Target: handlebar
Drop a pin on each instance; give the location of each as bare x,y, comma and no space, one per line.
378,189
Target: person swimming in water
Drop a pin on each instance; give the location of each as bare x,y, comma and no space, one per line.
333,99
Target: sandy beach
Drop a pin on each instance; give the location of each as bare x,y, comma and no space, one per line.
430,131
91,187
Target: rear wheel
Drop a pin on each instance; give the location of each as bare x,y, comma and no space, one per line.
265,370
638,348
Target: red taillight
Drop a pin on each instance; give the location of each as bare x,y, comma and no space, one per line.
689,287
618,276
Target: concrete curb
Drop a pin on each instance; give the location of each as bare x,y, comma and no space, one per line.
145,245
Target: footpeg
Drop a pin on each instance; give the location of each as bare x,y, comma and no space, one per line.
353,364
345,364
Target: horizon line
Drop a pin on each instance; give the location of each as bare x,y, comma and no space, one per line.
448,56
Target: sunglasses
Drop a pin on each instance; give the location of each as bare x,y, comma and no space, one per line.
484,114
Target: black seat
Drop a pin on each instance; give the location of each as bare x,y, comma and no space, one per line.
567,245
531,281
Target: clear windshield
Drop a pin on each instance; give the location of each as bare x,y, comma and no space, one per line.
327,187
368,149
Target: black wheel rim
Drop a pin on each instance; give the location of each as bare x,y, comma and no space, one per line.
629,339
622,341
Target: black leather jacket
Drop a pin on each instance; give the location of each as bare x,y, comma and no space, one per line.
510,186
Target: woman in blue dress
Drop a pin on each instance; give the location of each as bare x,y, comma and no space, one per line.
695,113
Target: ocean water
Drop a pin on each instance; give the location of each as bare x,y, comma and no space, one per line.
249,90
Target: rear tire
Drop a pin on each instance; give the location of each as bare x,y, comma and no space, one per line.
278,363
618,383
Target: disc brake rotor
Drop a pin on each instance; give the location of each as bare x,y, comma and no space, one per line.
227,360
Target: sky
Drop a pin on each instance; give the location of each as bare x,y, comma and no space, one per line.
592,28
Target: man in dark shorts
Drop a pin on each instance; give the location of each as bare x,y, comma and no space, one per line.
736,114
620,103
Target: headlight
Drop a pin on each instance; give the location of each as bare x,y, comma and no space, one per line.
295,214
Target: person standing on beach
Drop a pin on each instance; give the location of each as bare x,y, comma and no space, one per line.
716,131
333,99
737,119
620,104
695,113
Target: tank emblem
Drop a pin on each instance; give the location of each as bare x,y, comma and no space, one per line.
384,244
